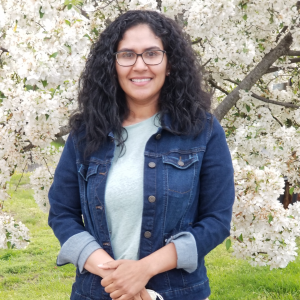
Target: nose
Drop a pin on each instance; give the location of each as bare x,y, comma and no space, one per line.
139,64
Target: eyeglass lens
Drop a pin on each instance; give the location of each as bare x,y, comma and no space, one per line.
151,57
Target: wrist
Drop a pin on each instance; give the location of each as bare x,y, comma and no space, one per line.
147,267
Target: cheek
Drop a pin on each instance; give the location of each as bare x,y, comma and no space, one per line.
121,75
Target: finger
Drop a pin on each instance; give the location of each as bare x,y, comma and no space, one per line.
110,289
110,265
116,294
145,295
106,281
123,297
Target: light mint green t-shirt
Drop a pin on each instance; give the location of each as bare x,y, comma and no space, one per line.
124,190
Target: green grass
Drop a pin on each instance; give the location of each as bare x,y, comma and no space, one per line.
32,273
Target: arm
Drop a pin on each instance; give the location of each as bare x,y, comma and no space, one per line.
65,216
216,199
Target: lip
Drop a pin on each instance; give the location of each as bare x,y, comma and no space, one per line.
140,83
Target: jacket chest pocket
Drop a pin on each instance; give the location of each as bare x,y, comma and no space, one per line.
180,170
91,176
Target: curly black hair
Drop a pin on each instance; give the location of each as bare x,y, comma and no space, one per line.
102,106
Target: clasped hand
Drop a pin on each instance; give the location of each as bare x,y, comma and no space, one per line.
127,281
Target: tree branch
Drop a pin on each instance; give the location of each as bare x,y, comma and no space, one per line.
285,104
63,130
284,29
275,69
215,85
294,60
3,49
196,41
247,83
28,147
293,53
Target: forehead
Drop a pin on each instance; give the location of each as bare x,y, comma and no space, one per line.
139,38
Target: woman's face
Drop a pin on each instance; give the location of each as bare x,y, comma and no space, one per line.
138,39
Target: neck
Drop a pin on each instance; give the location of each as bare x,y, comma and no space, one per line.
139,112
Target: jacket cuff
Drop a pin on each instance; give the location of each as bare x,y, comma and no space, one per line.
186,248
77,249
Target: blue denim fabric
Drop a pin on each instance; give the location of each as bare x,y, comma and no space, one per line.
192,181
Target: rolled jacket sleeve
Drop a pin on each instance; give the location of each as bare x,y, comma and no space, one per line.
186,248
216,198
77,249
65,215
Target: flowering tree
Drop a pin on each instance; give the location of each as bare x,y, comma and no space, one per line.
246,47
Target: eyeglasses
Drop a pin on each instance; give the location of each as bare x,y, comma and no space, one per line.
129,58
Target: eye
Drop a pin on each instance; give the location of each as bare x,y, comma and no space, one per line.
151,53
126,54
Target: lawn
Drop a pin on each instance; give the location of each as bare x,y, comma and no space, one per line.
32,273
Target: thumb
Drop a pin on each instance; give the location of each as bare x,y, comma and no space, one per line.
110,265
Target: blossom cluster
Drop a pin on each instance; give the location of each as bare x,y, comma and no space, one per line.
12,234
44,46
265,233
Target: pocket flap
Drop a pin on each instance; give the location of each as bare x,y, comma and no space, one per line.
180,161
87,171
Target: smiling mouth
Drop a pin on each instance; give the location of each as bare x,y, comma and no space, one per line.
141,80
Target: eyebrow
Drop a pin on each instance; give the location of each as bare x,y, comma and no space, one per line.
149,48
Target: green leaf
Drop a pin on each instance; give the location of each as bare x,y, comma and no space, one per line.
41,13
272,19
165,9
228,244
240,238
69,6
291,191
42,188
44,82
68,22
37,118
245,17
247,107
69,48
270,218
95,31
281,148
54,54
8,245
29,87
261,47
86,35
262,168
47,116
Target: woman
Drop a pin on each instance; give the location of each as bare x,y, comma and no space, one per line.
146,166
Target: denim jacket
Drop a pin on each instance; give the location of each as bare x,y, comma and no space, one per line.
188,198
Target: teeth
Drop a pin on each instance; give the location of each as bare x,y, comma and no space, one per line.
141,80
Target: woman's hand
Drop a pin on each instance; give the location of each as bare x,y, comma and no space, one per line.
143,295
127,281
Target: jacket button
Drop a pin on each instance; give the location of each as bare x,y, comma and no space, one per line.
181,163
147,234
151,199
152,164
158,136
